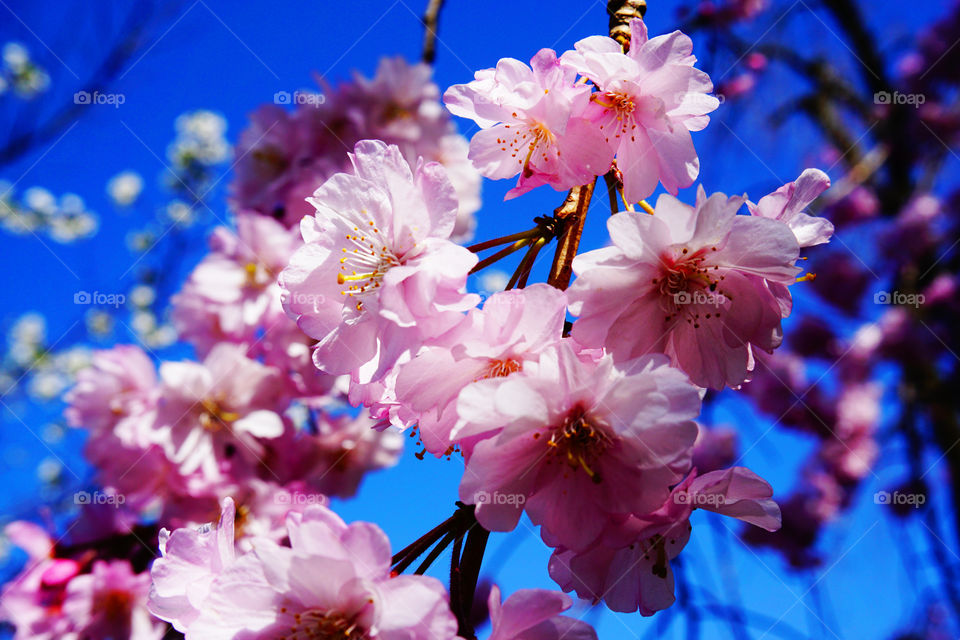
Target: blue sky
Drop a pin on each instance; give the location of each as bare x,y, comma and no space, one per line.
231,57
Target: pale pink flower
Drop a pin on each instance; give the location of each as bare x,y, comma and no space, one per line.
531,124
190,560
581,440
333,578
534,614
218,412
377,274
701,284
648,101
232,295
110,602
628,567
115,395
510,330
787,205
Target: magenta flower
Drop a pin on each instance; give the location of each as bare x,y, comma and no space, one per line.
218,412
533,614
510,330
649,100
332,579
110,602
787,203
377,275
628,567
580,432
531,124
701,284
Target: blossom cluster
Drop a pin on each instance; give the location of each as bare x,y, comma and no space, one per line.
342,282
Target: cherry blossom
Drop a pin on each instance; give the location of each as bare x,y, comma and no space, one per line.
787,203
629,565
531,124
648,101
702,284
493,342
377,274
333,578
219,411
533,614
580,432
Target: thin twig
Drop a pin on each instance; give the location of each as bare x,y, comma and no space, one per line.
431,18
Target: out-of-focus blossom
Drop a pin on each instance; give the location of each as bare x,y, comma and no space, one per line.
124,188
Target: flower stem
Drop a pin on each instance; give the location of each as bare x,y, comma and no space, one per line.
499,255
520,276
496,242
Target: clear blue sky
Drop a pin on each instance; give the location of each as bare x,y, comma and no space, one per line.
230,57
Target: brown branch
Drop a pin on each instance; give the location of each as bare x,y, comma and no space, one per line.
621,13
572,214
431,18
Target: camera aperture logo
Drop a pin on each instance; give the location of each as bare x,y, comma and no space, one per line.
485,497
98,497
115,300
99,98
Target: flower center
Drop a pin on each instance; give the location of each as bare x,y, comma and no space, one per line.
579,442
687,282
500,369
363,266
527,139
213,417
314,624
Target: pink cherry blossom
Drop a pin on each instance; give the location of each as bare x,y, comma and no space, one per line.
110,602
115,394
218,412
510,330
648,101
787,203
232,295
531,124
629,565
578,432
333,578
190,560
701,284
377,274
533,614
